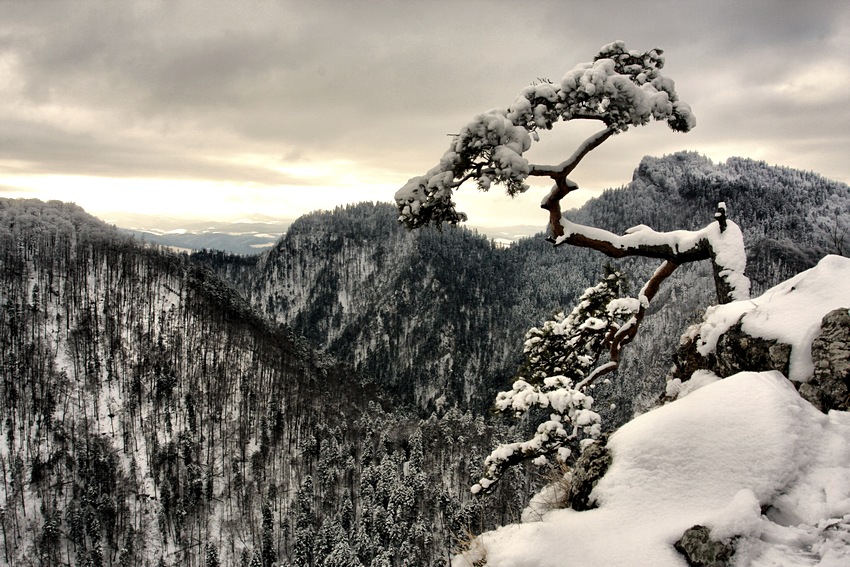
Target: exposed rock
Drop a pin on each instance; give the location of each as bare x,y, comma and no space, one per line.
702,551
736,352
739,352
829,388
688,360
589,468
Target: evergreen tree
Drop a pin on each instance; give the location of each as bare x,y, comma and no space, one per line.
561,362
269,549
212,555
305,525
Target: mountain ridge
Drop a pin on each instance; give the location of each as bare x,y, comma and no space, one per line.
339,276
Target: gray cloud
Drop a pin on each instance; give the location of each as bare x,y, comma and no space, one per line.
180,89
7,189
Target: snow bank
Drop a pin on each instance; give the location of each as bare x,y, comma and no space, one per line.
790,313
713,458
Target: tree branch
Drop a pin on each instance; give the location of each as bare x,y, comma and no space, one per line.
679,246
619,338
559,173
567,166
628,332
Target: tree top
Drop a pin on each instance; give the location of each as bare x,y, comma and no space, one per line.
619,88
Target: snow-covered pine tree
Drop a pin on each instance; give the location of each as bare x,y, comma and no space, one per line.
305,525
212,555
561,363
269,554
619,88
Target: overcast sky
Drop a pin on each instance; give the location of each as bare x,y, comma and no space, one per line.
229,108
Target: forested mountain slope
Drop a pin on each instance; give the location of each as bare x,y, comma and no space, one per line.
440,315
151,418
426,312
790,218
152,415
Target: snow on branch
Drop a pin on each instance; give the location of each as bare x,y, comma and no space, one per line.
721,242
619,88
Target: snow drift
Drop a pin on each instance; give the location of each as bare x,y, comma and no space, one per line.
717,457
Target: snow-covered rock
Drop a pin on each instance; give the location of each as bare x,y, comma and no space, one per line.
829,387
715,458
775,331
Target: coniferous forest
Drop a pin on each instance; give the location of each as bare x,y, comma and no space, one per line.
151,418
325,403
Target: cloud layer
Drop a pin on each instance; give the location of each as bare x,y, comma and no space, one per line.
296,96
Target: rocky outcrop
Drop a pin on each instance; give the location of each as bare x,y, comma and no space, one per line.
702,551
829,387
737,351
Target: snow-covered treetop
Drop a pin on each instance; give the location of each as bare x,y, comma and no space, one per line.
619,88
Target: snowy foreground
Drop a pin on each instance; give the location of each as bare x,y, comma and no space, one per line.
713,458
745,456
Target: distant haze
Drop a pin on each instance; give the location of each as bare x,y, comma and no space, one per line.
249,235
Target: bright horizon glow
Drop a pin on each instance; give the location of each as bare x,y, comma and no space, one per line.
199,199
204,200
188,198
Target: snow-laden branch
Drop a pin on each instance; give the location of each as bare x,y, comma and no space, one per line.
721,242
639,240
619,88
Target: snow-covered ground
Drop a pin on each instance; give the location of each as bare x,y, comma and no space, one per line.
715,458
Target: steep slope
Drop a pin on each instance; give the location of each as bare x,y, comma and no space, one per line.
426,312
139,383
738,464
150,417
